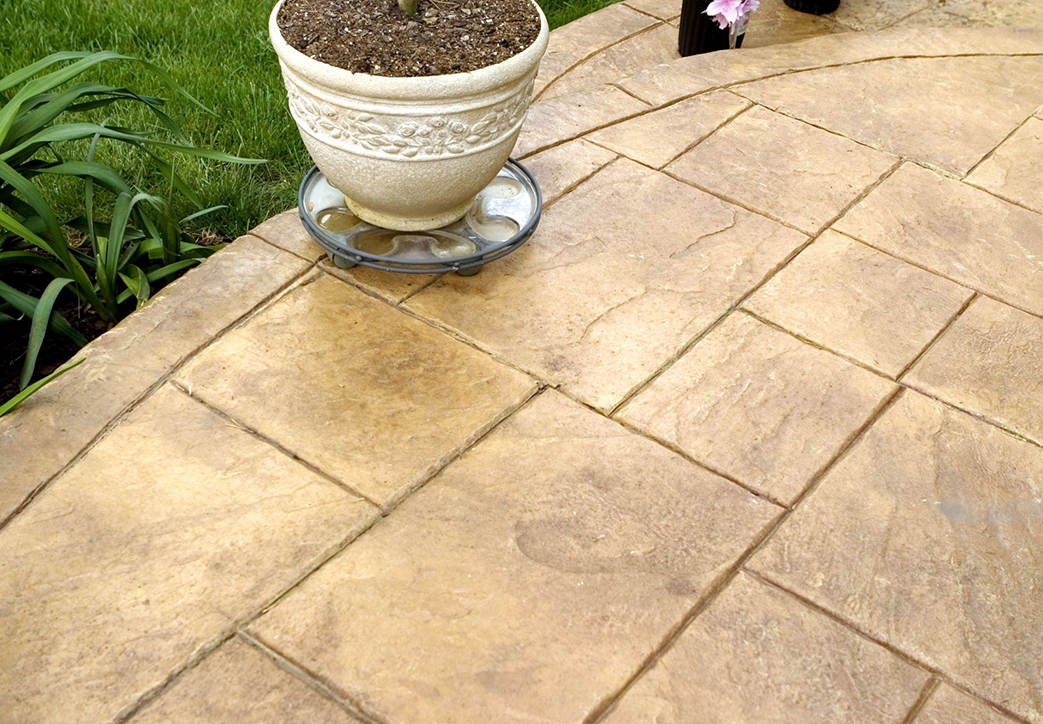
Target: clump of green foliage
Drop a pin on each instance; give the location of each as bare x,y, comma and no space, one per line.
125,242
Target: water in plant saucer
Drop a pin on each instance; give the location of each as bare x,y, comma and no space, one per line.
493,228
483,219
337,220
417,246
502,188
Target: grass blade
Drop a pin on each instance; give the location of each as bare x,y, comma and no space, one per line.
204,212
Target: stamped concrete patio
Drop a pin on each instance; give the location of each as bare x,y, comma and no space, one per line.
750,431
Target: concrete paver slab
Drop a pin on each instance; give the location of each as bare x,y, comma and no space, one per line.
759,655
709,71
583,37
948,128
949,706
602,297
860,302
663,9
957,231
374,398
561,168
774,22
387,285
171,529
876,15
55,425
927,536
565,117
648,48
1015,171
659,137
782,167
759,405
526,582
1009,13
236,684
286,231
989,362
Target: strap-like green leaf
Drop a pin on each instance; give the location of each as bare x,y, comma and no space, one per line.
28,258
125,204
207,153
31,389
16,227
31,195
104,174
71,132
137,283
84,286
170,269
38,328
49,106
45,83
26,304
10,81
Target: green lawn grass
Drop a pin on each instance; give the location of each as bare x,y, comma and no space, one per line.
217,51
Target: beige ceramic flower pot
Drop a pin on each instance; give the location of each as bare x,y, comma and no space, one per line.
409,153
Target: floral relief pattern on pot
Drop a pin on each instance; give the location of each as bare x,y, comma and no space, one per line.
431,137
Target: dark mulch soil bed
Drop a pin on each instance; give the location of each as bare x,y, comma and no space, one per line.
56,349
375,37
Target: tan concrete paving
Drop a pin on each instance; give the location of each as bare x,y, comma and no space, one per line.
950,128
562,168
955,230
602,297
526,580
758,405
746,162
122,365
949,706
1013,171
142,556
659,137
755,437
796,667
927,537
860,302
239,683
295,376
989,362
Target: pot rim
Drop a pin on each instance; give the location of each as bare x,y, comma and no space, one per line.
471,83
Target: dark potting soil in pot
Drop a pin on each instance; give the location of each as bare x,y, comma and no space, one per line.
375,37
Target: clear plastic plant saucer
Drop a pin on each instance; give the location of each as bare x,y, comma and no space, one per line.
503,217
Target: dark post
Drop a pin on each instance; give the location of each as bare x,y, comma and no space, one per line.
815,7
698,32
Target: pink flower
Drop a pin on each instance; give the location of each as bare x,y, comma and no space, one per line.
731,12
